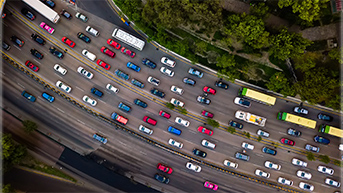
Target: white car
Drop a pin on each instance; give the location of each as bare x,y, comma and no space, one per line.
303,174
174,143
92,31
208,144
63,86
166,71
60,69
285,181
182,122
112,88
81,16
153,81
332,182
325,170
271,165
193,167
168,62
340,147
89,55
262,133
89,100
298,162
246,145
176,90
230,164
261,173
84,72
145,129
300,110
177,102
306,186
242,102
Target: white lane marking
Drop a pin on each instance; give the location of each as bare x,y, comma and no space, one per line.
143,153
102,101
20,85
124,144
260,155
60,110
282,132
80,88
17,48
191,131
37,61
4,24
303,139
81,122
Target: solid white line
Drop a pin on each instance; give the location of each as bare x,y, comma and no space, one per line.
102,101
20,85
80,88
37,61
81,122
259,155
60,110
122,143
282,132
303,139
191,131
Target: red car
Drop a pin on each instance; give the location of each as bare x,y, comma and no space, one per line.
68,42
150,120
103,64
108,52
207,114
209,90
113,44
128,52
204,130
287,141
164,168
164,114
31,66
210,185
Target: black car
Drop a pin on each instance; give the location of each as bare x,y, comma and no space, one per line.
38,39
37,54
293,132
221,84
161,178
17,41
324,117
97,92
189,81
203,100
200,153
157,92
56,52
28,14
140,103
6,46
235,124
66,14
49,3
83,37
148,63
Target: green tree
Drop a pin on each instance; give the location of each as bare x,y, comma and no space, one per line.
231,73
12,153
226,61
212,122
310,156
200,47
247,134
279,83
335,102
260,10
259,138
337,54
29,126
170,106
306,61
231,130
182,110
8,189
324,158
131,8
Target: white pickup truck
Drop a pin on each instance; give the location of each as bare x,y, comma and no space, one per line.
250,118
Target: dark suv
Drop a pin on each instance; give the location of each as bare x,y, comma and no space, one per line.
324,117
83,37
269,151
97,92
28,14
37,54
17,41
200,153
235,124
148,63
56,52
38,39
140,103
322,140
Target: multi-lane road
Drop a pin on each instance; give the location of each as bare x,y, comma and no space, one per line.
82,125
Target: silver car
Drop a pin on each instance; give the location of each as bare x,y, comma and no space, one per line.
208,144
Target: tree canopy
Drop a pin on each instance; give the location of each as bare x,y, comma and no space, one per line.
306,61
279,83
12,153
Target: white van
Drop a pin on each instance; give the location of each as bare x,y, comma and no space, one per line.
89,55
92,31
145,130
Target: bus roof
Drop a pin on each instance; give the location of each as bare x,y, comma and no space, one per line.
299,120
258,96
334,131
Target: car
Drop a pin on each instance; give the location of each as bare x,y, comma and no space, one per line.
103,64
100,138
83,37
120,119
150,120
304,174
249,146
157,92
63,86
221,84
121,74
92,31
124,107
208,144
298,162
176,90
173,130
262,133
204,130
128,52
230,164
195,72
293,132
161,178
199,153
182,122
38,39
153,81
68,42
89,55
324,117
242,156
112,88
189,81
28,14
166,71
210,185
168,62
209,90
325,170
46,27
56,52
269,151
287,141
133,66
261,173
28,96
89,100
17,41
322,140
66,14
145,129
149,63
97,92
271,165
84,72
32,66
203,100
340,147
81,16
3,15
176,102
311,148
242,102
207,114
306,186
332,182
37,54
113,43
300,110
60,69
164,168
140,103
194,167
49,3
5,46
174,143
164,114
235,124
285,181
107,51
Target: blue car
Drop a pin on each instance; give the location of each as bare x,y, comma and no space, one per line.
137,83
148,63
157,92
324,117
100,138
140,103
195,72
322,140
269,151
235,124
124,107
121,74
133,66
28,96
97,92
48,97
173,130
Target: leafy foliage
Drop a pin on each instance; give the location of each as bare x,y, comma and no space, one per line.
231,130
8,189
182,110
170,106
306,61
29,126
212,122
279,83
324,158
12,153
259,138
260,10
337,54
310,156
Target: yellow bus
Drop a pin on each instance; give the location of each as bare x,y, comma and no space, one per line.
331,130
296,119
257,96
